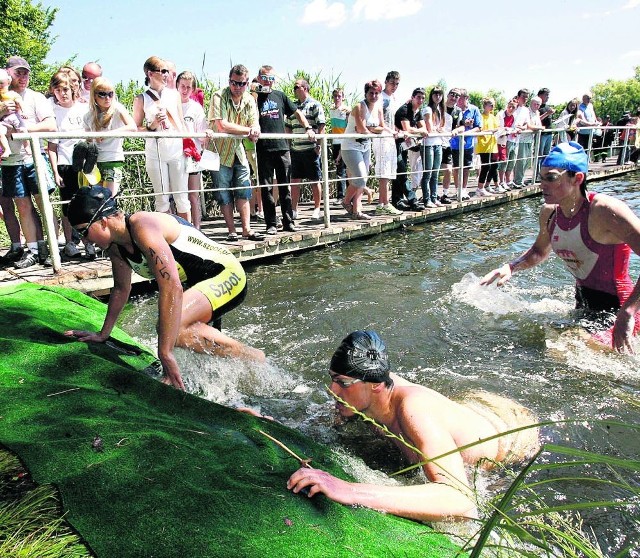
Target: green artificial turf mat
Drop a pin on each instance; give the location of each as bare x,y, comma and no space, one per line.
145,470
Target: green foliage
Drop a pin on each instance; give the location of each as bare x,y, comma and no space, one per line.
321,88
614,97
30,522
26,32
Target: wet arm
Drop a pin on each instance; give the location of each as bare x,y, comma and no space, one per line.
149,236
535,255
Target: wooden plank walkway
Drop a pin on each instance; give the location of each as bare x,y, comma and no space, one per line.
95,277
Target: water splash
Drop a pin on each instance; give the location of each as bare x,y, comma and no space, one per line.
504,300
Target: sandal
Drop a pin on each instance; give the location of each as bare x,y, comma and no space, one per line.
254,236
361,216
232,237
348,207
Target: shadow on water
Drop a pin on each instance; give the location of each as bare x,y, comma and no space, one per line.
419,289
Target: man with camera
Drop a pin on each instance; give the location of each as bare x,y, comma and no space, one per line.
273,154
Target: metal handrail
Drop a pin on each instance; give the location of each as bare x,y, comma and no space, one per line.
41,172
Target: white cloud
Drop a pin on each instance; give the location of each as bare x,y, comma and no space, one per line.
631,54
319,11
374,10
631,4
578,61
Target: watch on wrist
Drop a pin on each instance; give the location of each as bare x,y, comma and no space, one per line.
309,128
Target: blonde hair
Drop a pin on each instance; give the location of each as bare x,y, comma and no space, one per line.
100,120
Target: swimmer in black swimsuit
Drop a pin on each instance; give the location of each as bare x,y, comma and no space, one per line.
168,249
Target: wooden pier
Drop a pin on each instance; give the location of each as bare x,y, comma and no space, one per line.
95,277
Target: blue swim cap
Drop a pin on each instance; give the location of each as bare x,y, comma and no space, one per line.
362,355
570,156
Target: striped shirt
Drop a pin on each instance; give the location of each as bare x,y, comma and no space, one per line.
246,114
314,113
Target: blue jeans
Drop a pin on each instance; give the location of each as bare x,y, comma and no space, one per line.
545,147
431,159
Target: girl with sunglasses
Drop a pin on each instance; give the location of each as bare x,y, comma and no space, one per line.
108,115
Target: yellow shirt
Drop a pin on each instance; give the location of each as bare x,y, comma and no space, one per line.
488,144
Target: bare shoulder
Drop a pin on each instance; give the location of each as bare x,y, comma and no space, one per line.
152,225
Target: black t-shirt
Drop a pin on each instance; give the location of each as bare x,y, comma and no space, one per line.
405,112
546,122
456,116
272,109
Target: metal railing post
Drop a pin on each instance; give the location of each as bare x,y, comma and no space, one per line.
536,156
325,180
460,167
590,144
49,223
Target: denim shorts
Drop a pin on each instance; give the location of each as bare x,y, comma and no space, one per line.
19,181
233,183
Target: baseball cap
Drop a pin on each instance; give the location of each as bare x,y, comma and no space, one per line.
17,62
362,355
570,156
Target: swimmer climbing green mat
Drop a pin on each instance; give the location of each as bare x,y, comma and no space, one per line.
147,471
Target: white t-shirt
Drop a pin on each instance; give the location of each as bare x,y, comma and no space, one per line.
195,119
109,149
435,140
35,108
521,117
68,120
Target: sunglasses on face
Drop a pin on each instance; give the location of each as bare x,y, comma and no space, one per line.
267,78
550,178
454,95
296,87
164,71
344,383
238,83
104,94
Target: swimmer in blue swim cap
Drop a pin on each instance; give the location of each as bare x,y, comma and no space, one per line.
594,235
435,425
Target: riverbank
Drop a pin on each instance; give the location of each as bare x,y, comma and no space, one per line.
95,277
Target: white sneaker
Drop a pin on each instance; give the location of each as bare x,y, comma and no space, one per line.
430,205
499,189
315,215
490,190
482,193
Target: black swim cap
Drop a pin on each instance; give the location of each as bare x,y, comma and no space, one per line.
87,202
362,355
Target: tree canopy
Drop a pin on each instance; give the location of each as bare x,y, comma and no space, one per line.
26,32
614,97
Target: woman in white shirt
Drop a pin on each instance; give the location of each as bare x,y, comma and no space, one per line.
161,109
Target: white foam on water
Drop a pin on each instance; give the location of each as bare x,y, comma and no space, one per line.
504,300
572,348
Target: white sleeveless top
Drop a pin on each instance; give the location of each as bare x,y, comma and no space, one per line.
370,119
170,148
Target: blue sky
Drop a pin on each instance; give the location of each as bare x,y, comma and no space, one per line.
567,45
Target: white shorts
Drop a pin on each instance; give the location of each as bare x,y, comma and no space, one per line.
384,151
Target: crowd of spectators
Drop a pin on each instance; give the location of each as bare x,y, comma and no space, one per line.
413,142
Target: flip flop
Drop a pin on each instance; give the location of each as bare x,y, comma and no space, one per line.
232,237
254,236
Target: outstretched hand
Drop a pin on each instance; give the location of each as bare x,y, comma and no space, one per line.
502,274
318,481
86,336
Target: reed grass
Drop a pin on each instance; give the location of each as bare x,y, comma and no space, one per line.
31,524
